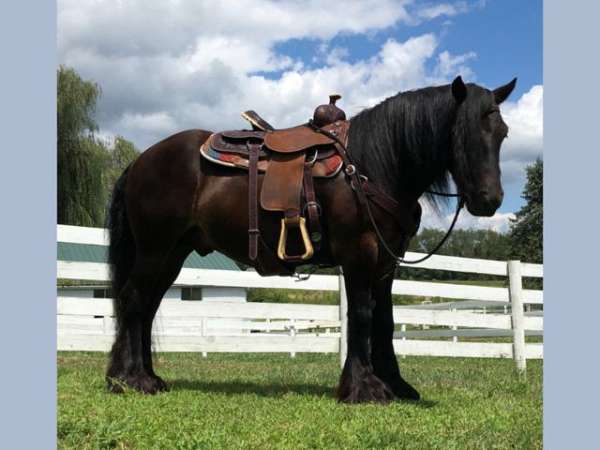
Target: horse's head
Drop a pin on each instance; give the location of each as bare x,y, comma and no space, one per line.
477,135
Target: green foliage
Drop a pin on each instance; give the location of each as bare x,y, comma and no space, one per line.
267,401
271,295
80,157
484,244
87,168
122,154
526,233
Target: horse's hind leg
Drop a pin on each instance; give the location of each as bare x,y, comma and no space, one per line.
168,275
385,364
126,365
130,359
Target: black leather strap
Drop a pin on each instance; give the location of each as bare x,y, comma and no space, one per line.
253,230
312,208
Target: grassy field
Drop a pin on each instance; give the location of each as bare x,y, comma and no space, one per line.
265,401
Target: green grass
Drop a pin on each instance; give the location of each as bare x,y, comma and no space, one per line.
266,401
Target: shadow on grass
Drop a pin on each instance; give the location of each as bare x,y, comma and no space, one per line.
269,390
264,390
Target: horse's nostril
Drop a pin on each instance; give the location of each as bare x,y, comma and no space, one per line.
484,194
489,200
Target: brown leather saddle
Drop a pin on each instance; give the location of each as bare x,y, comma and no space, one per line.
290,159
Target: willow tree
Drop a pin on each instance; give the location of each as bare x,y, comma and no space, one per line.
81,157
123,152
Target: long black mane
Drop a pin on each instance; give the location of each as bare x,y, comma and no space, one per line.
404,143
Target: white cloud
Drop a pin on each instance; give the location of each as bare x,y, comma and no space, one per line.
196,61
171,27
160,122
442,9
449,64
498,222
525,119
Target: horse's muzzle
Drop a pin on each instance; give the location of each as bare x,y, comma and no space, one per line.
485,204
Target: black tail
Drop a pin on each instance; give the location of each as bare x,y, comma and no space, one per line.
121,250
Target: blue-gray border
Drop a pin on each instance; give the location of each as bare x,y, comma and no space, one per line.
571,245
571,159
28,230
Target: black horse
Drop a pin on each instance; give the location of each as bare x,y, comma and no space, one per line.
171,201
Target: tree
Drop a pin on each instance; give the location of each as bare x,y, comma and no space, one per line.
471,243
122,154
81,158
526,231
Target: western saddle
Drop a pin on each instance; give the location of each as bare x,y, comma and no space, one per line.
290,159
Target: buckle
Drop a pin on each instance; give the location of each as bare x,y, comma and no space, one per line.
299,222
362,179
309,204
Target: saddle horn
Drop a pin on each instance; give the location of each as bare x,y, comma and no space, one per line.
329,113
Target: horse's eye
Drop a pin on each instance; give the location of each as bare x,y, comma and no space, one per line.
490,112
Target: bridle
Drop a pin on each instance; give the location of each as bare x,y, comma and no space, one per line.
357,182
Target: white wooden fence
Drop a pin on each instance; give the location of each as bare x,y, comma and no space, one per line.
88,324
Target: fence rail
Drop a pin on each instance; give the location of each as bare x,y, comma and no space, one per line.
88,324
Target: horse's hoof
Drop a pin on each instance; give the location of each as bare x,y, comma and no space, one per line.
146,384
161,385
369,389
407,392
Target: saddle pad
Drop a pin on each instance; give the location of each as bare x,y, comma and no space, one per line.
327,166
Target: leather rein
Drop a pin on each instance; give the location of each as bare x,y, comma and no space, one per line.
367,192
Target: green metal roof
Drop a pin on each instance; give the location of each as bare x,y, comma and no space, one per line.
97,253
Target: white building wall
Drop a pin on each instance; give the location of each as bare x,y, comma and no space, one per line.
173,293
224,294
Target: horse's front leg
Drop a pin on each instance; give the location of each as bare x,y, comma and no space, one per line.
358,382
385,364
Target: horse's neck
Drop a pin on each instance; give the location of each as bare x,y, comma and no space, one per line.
422,165
412,159
416,179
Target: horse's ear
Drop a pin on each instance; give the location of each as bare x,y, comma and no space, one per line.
459,90
502,93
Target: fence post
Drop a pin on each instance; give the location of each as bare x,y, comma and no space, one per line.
343,320
403,329
515,290
454,327
293,334
203,334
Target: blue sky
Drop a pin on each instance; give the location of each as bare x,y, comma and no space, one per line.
204,62
506,35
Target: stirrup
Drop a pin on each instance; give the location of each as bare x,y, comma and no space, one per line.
299,222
